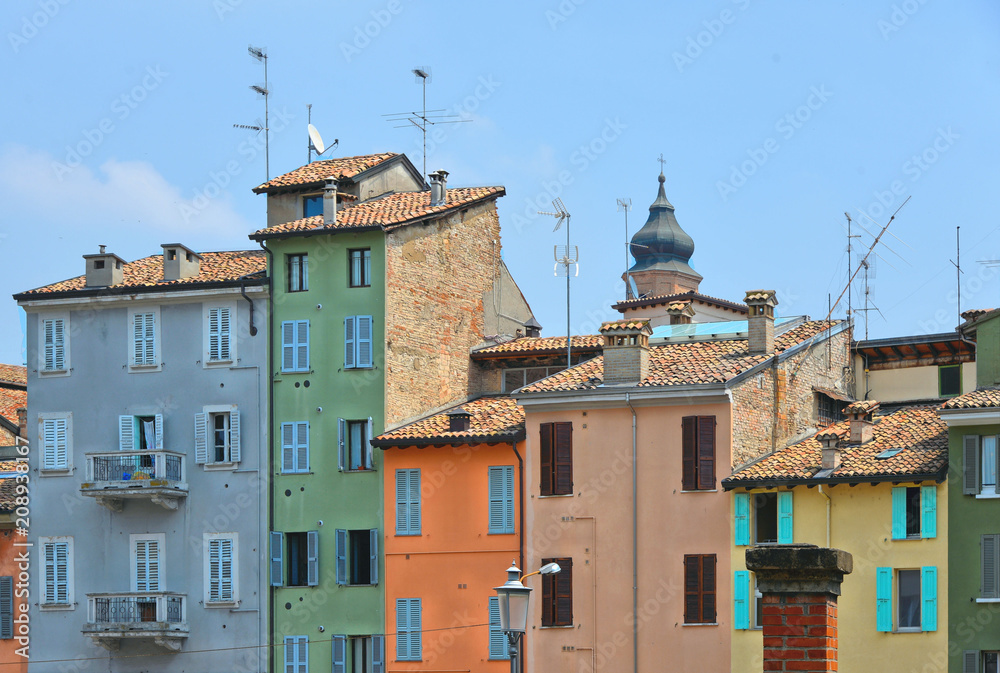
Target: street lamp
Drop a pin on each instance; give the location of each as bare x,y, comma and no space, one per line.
512,598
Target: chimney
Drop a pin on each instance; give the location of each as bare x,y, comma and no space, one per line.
860,415
459,420
626,351
830,443
800,584
330,202
22,422
760,320
180,262
532,328
104,269
680,312
439,188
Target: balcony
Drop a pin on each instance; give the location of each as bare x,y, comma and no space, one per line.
116,476
159,616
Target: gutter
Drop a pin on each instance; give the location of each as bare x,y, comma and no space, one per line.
253,328
270,452
447,441
520,493
126,290
939,476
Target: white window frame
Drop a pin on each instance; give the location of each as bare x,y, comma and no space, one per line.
43,543
204,447
156,365
133,541
66,331
62,470
897,600
207,360
234,575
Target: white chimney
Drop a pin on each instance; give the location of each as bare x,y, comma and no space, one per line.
330,202
179,262
104,269
439,188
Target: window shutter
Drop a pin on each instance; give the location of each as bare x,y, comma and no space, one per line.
414,498
741,505
277,560
287,447
288,346
126,433
6,607
349,341
741,598
498,641
689,426
970,465
548,596
364,336
340,548
564,593
61,452
158,431
402,624
990,566
49,329
970,661
373,559
416,629
508,509
402,503
147,565
786,528
546,458
213,334
708,592
369,458
378,654
692,589
226,563
563,456
928,594
137,345
302,346
302,446
496,500
706,452
312,558
883,599
234,435
55,443
341,439
149,329
928,511
899,513
214,570
223,351
201,438
339,654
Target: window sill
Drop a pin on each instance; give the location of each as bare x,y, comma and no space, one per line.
53,607
53,372
398,534
351,369
285,474
557,495
987,496
55,471
557,626
909,629
988,600
701,624
360,469
294,371
142,369
220,466
500,532
222,604
218,363
702,490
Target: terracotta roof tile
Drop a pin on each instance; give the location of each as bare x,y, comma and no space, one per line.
620,325
148,272
974,313
12,399
8,493
318,171
589,342
14,374
917,430
682,363
8,465
494,418
653,300
759,295
978,399
861,407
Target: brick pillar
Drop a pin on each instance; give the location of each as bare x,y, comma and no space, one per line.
800,584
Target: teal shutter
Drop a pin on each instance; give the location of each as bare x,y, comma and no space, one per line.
741,599
928,511
340,654
741,506
785,525
277,560
341,552
498,641
970,465
883,599
928,594
899,513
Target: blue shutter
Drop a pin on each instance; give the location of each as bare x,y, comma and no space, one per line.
312,558
364,340
349,340
302,446
928,511
341,438
899,513
302,346
970,661
508,510
741,599
416,630
288,346
402,629
785,524
373,559
414,500
378,654
6,607
883,599
341,549
928,594
741,505
340,654
402,509
498,641
277,560
500,497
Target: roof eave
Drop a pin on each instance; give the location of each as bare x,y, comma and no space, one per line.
123,290
424,442
731,485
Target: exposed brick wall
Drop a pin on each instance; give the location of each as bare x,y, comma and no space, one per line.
778,405
625,364
760,333
800,632
436,277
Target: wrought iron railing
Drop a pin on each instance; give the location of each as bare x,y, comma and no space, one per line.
136,608
129,466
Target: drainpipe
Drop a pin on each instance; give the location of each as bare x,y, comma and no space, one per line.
270,452
635,547
828,504
520,492
243,291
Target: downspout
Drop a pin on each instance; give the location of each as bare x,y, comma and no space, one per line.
270,451
520,492
635,546
774,405
828,505
243,291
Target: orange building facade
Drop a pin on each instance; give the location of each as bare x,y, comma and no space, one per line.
13,572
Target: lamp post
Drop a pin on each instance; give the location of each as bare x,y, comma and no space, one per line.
513,598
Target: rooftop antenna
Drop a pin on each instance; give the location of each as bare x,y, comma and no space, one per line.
958,270
849,260
261,55
315,139
570,256
425,117
623,206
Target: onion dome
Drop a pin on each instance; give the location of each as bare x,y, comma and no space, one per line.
661,244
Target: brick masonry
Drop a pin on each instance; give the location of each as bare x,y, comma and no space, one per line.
625,364
800,632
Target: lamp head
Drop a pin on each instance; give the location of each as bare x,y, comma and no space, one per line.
550,569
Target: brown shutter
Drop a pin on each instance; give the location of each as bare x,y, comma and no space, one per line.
563,459
692,589
706,452
708,588
564,593
689,425
545,452
548,596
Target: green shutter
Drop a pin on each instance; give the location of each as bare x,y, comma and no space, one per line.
928,511
970,661
785,524
883,599
741,599
970,465
989,582
899,513
741,505
928,594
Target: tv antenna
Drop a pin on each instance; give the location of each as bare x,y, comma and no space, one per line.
624,204
570,256
425,117
261,55
315,139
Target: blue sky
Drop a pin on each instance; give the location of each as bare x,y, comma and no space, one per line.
774,118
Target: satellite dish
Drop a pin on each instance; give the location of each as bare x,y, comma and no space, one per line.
316,140
633,288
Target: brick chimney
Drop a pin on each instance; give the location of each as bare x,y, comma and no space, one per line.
330,202
104,269
760,320
439,188
626,351
459,420
860,415
180,262
830,441
680,312
800,584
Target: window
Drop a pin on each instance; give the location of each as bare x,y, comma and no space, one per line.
296,654
980,465
908,597
312,205
914,512
55,435
771,519
989,552
556,452
217,435
557,594
298,272
358,654
357,556
140,433
219,344
408,502
358,342
57,572
501,487
355,452
144,328
699,589
295,447
498,641
748,601
758,601
53,341
221,574
295,346
950,380
6,607
408,629
516,377
974,661
302,553
361,267
828,410
698,449
147,568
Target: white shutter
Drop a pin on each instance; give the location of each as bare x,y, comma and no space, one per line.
48,326
288,346
349,340
137,348
341,444
219,330
302,346
56,572
158,431
234,435
364,337
126,433
226,569
370,463
312,558
147,565
201,438
214,569
302,447
288,447
213,334
149,334
55,443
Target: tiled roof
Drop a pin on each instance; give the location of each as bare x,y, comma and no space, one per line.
12,399
656,299
14,374
543,345
8,494
974,313
861,407
386,212
759,295
917,430
683,363
677,306
318,171
148,272
492,418
619,325
982,398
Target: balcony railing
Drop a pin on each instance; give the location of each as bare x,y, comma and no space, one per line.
113,476
160,616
